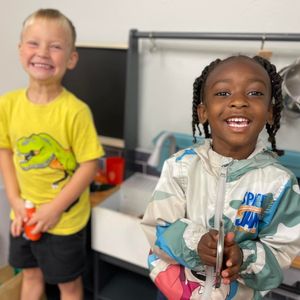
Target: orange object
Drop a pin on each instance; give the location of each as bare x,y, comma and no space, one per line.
115,169
100,177
30,210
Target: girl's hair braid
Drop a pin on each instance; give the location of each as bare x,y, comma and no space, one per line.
198,89
276,81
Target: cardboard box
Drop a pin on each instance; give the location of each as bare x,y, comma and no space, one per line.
10,284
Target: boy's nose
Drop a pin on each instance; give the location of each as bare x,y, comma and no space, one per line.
43,51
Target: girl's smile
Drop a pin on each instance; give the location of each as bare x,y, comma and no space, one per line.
238,123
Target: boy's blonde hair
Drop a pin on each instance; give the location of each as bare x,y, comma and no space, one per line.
51,14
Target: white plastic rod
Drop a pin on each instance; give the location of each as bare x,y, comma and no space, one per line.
210,274
220,198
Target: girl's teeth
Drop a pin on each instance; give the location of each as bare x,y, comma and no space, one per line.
237,125
237,122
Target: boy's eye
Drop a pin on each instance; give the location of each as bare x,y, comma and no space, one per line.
32,43
56,47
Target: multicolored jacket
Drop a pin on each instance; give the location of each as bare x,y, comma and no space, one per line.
261,205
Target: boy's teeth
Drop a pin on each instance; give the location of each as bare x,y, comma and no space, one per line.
42,66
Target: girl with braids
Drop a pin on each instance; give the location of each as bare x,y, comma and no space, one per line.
234,99
276,94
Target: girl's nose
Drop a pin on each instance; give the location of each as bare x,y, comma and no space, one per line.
239,101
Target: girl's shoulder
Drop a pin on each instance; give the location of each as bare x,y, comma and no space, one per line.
184,162
193,152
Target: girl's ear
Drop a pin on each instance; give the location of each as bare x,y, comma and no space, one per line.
202,113
73,59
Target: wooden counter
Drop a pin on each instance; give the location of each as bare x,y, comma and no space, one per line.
296,263
98,197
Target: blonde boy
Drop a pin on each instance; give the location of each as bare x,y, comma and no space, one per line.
48,155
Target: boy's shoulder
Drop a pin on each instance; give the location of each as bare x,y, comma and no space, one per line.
72,100
12,95
9,99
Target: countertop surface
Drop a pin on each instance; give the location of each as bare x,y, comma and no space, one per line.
98,197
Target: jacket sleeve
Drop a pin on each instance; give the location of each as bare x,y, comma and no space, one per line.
172,236
278,239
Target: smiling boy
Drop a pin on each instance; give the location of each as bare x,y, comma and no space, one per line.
48,154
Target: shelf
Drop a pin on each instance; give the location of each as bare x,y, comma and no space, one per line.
115,279
127,285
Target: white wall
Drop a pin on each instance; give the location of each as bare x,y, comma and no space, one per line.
168,73
4,227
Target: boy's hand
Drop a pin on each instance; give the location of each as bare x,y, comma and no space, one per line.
18,207
44,218
233,259
207,248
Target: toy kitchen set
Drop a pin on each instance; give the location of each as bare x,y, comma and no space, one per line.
119,245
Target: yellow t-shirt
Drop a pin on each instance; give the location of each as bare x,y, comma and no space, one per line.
48,142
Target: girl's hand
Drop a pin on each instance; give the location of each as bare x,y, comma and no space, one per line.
45,218
18,208
233,259
207,248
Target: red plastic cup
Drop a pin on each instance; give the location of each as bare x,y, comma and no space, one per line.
115,169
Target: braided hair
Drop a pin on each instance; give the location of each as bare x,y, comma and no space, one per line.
276,96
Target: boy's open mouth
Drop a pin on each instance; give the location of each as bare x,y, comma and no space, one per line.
237,122
43,66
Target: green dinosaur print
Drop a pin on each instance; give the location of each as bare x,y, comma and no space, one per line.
40,151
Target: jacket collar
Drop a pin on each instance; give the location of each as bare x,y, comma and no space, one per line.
259,158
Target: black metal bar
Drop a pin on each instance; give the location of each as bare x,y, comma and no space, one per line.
237,36
131,99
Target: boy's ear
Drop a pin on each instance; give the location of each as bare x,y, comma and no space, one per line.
73,59
202,115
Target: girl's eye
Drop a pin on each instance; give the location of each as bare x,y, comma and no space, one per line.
255,93
222,94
